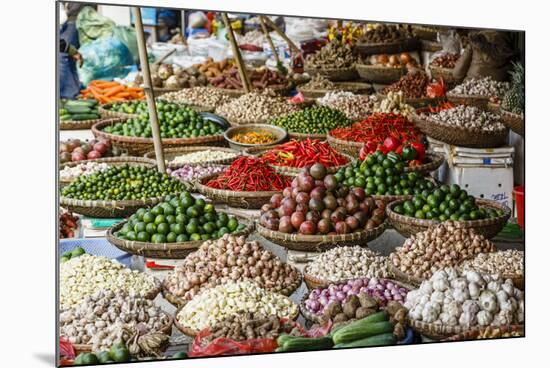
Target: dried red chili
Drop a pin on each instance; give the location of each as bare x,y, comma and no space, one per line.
304,153
249,174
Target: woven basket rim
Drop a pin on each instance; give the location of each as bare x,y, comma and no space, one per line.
205,190
325,69
233,91
190,149
107,160
466,97
403,277
510,113
393,216
435,330
348,86
228,134
473,333
440,68
64,201
378,67
427,120
414,100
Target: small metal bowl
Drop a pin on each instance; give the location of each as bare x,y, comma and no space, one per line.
280,133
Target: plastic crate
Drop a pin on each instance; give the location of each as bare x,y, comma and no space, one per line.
96,247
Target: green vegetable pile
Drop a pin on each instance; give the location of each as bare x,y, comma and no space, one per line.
175,121
122,183
117,354
76,252
131,107
178,219
78,110
445,203
313,120
383,174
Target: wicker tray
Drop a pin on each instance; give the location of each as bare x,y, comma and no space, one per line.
489,228
280,134
333,74
320,243
171,153
138,146
436,332
111,161
238,199
513,121
425,33
77,124
417,102
167,250
354,87
458,135
479,101
106,112
405,44
474,333
446,74
167,330
430,46
380,74
304,136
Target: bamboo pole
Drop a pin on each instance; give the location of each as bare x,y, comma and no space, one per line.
147,88
270,41
272,24
237,54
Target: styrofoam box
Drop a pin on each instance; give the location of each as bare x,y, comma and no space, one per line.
484,173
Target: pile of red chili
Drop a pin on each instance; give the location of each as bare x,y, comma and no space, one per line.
304,153
378,127
249,174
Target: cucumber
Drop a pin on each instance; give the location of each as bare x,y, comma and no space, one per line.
282,339
88,116
353,332
306,343
65,117
81,103
377,340
78,109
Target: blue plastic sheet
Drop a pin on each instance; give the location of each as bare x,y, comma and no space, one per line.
97,247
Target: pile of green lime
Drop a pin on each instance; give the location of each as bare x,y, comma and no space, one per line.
117,354
175,121
122,183
445,203
383,174
179,219
313,120
76,252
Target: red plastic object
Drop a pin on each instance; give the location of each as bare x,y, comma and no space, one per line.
519,197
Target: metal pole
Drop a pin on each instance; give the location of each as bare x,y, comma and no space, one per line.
237,54
148,89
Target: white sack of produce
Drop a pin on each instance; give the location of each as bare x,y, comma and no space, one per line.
468,299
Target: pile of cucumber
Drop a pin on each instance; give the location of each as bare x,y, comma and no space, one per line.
374,330
78,110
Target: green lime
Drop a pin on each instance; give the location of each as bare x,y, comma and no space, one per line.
120,355
168,209
195,237
205,236
171,219
445,188
151,228
420,214
200,203
359,182
209,208
179,355
399,209
191,228
131,235
78,251
182,219
64,259
143,236
442,218
171,237
140,226
163,228
232,224
158,238
160,219
148,217
222,231
104,357
192,212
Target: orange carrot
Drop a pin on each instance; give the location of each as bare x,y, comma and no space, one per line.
113,90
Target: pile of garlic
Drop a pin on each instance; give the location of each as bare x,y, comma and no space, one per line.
468,299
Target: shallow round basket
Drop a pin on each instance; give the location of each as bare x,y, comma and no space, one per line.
403,277
333,74
238,199
320,243
347,147
166,329
138,146
304,136
425,33
111,161
405,44
473,334
168,250
460,136
431,163
380,74
430,46
446,74
513,121
171,153
189,332
358,88
106,112
77,124
478,101
280,135
435,331
417,102
489,228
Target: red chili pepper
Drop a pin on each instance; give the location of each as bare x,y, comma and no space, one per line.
304,153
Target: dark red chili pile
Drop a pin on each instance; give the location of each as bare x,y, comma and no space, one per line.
249,174
377,127
304,153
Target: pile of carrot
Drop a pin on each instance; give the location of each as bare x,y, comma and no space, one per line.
108,92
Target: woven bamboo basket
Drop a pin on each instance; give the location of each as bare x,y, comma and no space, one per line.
425,33
446,74
304,136
166,329
405,44
458,135
489,228
517,279
77,124
238,199
430,46
435,331
159,91
358,88
293,171
138,146
167,250
236,93
111,161
478,101
106,112
189,332
171,153
513,121
473,334
334,74
493,107
403,277
320,243
380,74
417,102
280,135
